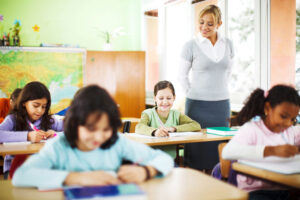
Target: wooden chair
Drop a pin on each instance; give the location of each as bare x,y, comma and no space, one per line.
126,127
16,163
225,165
4,108
129,124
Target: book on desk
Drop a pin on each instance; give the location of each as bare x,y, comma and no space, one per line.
116,192
222,131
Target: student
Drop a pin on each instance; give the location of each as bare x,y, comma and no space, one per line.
14,96
91,149
161,119
271,135
7,104
32,107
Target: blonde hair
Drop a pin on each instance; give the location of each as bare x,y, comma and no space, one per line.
211,9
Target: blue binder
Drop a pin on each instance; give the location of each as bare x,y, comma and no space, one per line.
123,191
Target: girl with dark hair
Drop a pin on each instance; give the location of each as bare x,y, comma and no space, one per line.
161,119
91,149
272,135
32,108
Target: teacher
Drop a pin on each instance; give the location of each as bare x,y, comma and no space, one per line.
209,57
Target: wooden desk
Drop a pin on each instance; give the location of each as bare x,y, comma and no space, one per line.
178,140
181,183
289,180
15,149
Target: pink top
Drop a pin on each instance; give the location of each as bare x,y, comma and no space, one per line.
256,133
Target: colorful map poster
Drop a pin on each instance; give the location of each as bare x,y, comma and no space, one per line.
60,69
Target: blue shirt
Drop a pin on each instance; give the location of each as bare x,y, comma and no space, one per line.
50,167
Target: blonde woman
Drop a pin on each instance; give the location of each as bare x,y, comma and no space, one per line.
209,58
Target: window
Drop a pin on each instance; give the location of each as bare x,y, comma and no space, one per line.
297,45
245,23
241,31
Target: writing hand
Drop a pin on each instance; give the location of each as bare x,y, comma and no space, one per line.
286,150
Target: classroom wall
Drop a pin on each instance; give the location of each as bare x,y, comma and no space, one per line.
283,42
74,22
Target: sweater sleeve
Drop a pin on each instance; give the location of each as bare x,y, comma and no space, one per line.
185,66
39,170
186,124
143,126
7,133
235,151
243,145
58,124
183,75
145,155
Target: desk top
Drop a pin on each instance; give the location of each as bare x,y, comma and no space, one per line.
15,149
155,141
292,180
181,183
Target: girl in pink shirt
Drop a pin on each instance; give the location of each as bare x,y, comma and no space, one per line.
272,135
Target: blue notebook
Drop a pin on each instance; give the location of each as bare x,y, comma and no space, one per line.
123,191
222,131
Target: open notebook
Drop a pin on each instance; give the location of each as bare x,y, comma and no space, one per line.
28,142
276,164
175,134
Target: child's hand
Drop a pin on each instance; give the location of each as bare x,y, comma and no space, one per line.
132,174
161,132
171,129
91,178
286,150
50,134
36,136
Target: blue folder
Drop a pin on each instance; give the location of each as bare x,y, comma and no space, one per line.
123,191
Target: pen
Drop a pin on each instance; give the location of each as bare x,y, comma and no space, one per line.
284,138
162,124
34,128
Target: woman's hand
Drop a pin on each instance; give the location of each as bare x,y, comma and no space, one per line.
91,178
132,174
285,151
36,136
161,132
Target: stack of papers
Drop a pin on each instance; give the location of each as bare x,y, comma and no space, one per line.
276,164
173,134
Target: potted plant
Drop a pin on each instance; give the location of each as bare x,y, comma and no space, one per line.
108,36
16,32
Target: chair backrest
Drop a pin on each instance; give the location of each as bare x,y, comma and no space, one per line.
126,127
16,163
4,108
225,165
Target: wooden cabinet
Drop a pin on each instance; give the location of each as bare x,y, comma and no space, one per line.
122,73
